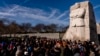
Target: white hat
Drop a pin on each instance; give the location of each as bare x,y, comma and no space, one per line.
25,53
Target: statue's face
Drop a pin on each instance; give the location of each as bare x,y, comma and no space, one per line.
77,17
78,5
77,13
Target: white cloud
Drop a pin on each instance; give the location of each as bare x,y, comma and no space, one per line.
97,6
22,12
6,14
52,13
63,14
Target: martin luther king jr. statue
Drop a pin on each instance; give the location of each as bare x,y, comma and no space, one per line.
82,23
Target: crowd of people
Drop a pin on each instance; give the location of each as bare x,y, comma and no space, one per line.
47,47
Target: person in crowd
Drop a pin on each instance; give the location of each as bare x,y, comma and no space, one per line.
32,46
91,53
19,51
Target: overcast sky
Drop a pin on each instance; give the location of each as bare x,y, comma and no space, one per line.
41,11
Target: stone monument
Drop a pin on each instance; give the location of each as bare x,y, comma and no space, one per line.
82,23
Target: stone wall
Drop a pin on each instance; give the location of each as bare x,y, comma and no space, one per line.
48,35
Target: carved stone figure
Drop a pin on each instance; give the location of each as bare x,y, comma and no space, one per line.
77,17
82,23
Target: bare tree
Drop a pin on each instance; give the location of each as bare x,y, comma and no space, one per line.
26,27
13,28
39,28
